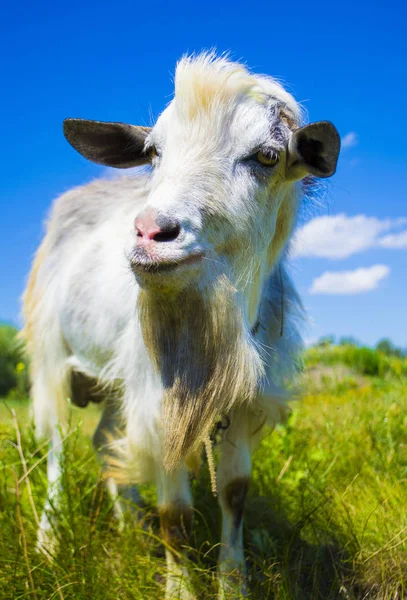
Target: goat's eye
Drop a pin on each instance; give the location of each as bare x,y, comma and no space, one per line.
267,158
154,152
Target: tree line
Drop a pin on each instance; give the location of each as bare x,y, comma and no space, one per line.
384,345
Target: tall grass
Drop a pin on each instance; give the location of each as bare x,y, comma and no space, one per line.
326,515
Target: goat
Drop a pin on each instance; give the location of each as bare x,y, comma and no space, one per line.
169,289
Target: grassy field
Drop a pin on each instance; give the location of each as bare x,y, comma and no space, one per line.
326,516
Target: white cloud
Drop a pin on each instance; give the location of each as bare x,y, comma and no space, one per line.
340,236
394,240
349,282
349,140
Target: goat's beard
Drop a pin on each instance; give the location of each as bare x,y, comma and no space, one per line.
200,345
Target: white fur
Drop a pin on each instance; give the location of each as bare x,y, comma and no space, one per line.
85,309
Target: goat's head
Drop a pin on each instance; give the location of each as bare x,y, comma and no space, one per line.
226,155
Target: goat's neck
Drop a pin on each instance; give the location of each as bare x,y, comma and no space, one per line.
268,260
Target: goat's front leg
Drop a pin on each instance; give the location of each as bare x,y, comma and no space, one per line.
233,479
175,509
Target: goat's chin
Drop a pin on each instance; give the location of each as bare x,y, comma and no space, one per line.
168,281
164,273
206,358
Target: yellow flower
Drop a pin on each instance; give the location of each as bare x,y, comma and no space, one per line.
20,367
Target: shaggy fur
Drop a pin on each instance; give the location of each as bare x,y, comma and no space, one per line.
178,331
206,361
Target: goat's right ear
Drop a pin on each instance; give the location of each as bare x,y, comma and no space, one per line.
111,144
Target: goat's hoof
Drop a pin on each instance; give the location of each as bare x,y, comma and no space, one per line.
232,586
181,595
47,542
178,590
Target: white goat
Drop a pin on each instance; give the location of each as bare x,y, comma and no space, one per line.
169,290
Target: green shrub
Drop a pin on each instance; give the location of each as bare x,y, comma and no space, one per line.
13,368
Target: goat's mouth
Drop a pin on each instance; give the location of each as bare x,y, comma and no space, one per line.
143,263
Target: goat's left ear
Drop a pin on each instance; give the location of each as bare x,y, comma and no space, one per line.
313,149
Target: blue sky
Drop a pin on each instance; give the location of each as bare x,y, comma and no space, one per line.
113,61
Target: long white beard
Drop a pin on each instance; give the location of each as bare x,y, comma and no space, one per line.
206,358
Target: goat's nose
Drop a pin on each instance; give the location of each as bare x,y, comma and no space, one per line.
159,228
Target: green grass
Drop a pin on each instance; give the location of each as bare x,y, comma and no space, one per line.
326,515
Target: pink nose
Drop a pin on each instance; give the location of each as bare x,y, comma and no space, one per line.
151,226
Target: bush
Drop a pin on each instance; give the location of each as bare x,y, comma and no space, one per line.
13,368
364,360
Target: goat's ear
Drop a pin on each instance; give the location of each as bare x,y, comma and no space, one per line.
313,149
111,144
